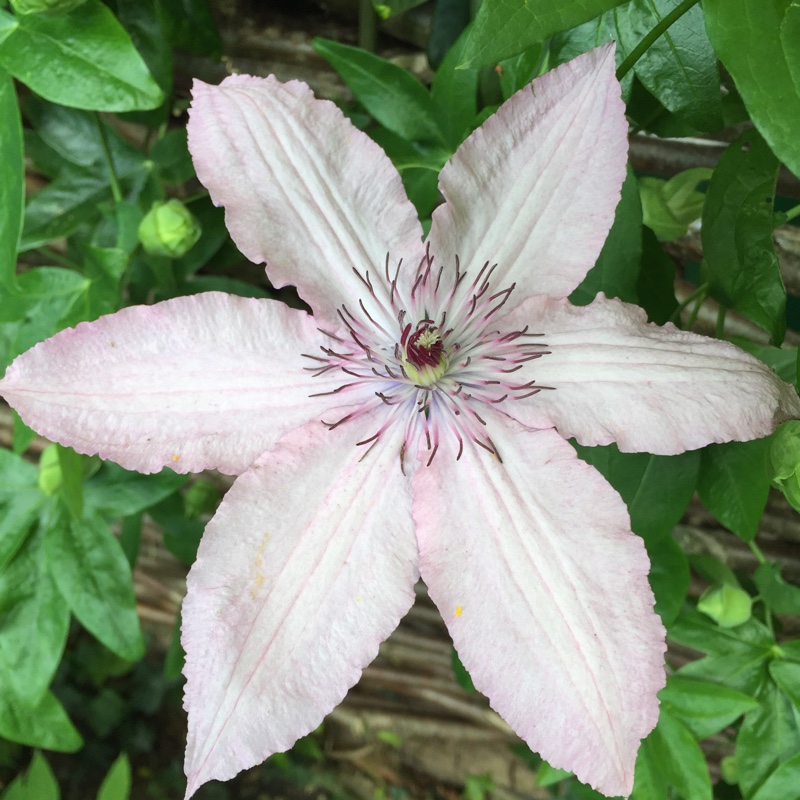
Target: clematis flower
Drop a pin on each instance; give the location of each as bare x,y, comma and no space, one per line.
415,424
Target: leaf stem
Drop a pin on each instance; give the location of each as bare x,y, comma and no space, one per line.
112,172
57,257
702,289
367,26
719,331
757,552
657,31
792,213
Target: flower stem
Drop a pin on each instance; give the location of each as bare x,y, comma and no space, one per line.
792,213
702,289
757,552
367,26
112,172
655,33
719,331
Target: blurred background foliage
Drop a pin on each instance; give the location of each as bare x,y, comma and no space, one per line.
101,209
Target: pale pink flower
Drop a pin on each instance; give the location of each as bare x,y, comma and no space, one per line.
414,425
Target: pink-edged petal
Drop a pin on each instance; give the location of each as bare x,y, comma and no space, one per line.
535,187
544,590
207,381
618,378
307,567
304,190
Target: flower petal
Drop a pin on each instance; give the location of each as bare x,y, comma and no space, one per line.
304,190
308,565
544,590
618,378
207,381
535,187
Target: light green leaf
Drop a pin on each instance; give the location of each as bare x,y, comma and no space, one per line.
758,41
669,577
695,630
734,484
94,577
391,94
780,596
34,622
16,520
786,675
117,783
454,95
12,180
37,783
44,724
504,28
783,783
705,708
680,68
84,59
37,285
737,230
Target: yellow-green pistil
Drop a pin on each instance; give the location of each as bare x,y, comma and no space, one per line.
424,358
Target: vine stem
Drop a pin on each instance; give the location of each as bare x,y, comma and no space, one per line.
656,32
112,172
792,213
701,290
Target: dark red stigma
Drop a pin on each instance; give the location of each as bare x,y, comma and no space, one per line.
425,353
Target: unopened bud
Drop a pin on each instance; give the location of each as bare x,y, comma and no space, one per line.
727,605
50,476
169,229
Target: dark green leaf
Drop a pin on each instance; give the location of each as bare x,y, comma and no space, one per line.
115,492
454,95
34,622
758,41
737,233
213,236
37,783
44,724
462,676
448,20
221,283
389,8
616,272
12,180
705,708
191,27
519,71
93,575
174,660
656,286
671,757
679,68
695,630
734,484
656,489
117,783
181,536
391,94
669,577
130,537
71,464
83,59
171,155
769,736
782,359
780,596
506,27
743,671
422,188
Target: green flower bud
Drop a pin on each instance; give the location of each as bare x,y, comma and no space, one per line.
169,229
50,477
784,455
727,605
50,8
669,207
729,770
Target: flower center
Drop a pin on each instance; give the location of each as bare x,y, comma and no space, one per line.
424,357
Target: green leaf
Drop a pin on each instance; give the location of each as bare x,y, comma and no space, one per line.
191,27
16,520
454,95
758,41
71,464
616,271
181,536
93,575
391,94
171,155
695,630
769,736
737,233
38,783
12,180
175,657
680,67
782,359
670,756
115,492
519,71
504,28
117,783
34,622
786,675
656,489
16,474
705,708
463,677
84,59
44,724
743,671
780,596
390,8
669,577
41,285
734,484
783,783
656,286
